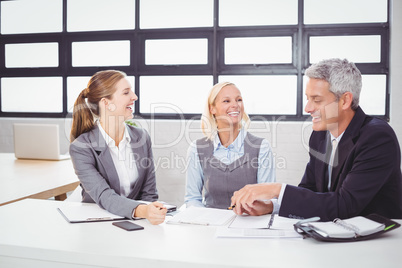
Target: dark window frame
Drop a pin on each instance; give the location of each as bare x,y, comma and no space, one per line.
215,35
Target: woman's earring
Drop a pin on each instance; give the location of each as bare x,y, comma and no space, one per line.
111,107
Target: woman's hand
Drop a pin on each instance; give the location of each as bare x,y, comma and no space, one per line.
155,212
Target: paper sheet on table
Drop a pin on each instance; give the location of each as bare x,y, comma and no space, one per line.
256,222
246,226
203,216
222,232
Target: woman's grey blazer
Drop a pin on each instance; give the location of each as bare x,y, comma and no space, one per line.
94,167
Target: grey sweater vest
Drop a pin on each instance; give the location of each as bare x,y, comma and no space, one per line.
221,180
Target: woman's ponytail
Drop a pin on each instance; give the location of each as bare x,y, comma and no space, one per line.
83,119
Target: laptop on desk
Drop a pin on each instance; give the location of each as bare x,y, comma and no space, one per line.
37,141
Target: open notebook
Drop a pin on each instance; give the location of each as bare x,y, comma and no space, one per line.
348,228
353,229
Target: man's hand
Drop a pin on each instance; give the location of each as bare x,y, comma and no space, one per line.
258,208
245,199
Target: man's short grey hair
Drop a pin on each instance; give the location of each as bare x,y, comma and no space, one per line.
342,76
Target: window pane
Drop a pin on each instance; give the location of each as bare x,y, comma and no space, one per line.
354,48
102,53
266,94
74,87
32,55
75,84
176,13
259,50
31,16
174,94
257,12
345,11
32,94
372,95
98,15
178,51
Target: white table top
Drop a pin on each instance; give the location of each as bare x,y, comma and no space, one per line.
23,178
32,232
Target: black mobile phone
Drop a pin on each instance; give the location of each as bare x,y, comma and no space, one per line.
128,225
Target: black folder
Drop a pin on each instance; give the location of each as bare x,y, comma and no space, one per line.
307,230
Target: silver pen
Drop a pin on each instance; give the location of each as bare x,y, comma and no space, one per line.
271,220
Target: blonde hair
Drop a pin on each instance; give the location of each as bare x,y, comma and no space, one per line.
208,122
86,108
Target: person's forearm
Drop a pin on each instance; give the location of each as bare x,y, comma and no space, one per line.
140,211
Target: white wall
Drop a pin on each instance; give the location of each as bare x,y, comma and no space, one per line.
396,68
171,138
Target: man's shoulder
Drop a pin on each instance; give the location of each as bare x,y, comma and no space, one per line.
375,126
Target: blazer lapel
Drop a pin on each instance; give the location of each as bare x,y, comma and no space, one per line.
345,145
138,155
322,170
341,154
105,159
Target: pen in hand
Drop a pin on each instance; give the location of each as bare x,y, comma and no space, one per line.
231,207
271,220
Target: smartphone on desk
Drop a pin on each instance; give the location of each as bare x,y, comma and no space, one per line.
128,225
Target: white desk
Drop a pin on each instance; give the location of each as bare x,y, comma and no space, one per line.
41,179
34,234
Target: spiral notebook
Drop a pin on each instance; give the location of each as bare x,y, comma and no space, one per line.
348,228
352,229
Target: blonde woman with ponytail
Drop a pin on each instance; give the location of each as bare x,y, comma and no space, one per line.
113,160
228,157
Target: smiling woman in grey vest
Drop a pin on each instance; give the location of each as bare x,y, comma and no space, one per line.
228,157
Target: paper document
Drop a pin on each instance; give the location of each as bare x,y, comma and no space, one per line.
258,222
224,232
203,216
83,212
246,226
247,221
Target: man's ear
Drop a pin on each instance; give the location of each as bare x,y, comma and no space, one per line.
346,100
